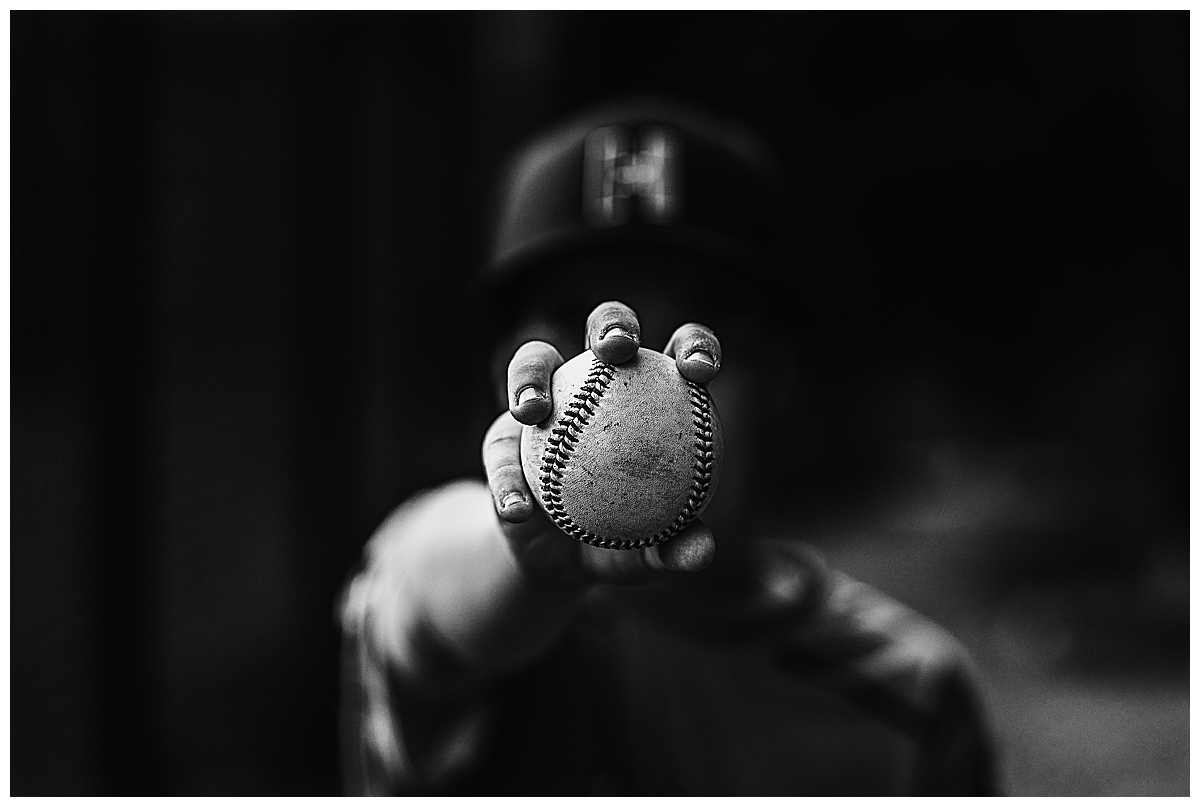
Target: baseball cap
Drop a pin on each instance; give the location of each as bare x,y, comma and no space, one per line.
642,172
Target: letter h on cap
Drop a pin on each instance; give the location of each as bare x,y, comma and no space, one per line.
626,173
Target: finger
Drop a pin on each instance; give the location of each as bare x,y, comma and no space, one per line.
502,466
537,546
529,373
697,352
689,551
613,332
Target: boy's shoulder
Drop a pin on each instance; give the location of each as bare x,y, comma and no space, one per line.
871,635
876,697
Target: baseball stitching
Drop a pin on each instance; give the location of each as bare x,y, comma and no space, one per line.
564,438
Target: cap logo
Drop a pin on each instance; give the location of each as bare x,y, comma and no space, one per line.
628,173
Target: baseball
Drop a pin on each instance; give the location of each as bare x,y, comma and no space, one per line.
630,454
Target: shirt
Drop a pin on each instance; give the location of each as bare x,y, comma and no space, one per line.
817,684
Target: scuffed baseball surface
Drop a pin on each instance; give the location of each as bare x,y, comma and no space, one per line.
630,454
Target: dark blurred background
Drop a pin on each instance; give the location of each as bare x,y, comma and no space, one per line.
239,243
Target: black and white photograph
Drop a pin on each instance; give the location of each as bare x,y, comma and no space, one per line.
785,401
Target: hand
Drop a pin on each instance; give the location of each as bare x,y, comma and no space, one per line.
540,549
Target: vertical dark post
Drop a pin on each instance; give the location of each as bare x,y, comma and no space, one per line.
345,179
123,390
324,380
53,620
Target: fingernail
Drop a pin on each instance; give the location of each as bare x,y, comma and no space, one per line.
511,500
529,394
617,331
701,356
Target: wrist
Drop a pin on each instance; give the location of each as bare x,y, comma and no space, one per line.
494,610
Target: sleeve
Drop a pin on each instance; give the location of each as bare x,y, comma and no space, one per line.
957,757
912,674
397,738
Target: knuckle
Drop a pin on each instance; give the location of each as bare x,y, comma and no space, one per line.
698,334
501,441
508,465
503,426
530,358
533,348
612,314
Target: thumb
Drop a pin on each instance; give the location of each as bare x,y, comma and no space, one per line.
689,551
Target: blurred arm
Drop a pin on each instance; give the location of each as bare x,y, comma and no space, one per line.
439,609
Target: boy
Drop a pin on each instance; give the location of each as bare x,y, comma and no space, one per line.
488,653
